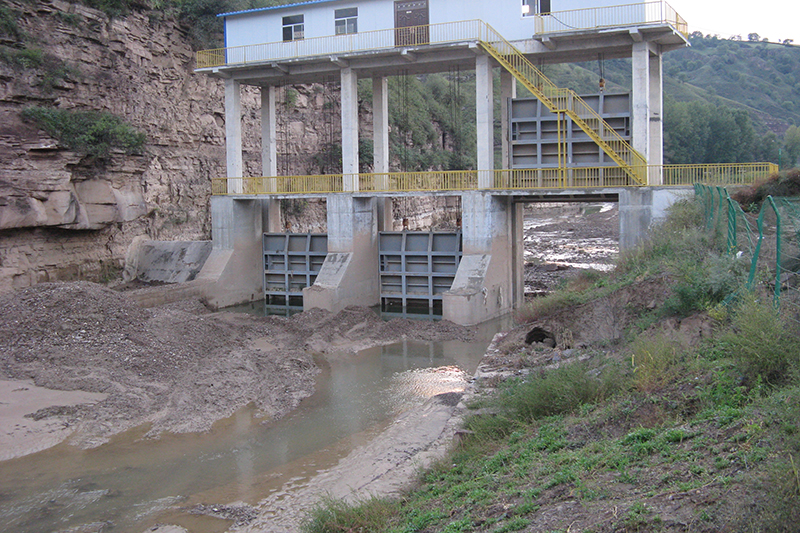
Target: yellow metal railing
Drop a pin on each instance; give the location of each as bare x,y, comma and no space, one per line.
717,174
611,16
516,179
565,101
447,32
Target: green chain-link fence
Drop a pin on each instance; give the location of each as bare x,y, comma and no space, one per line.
770,240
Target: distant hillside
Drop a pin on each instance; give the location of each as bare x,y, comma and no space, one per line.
761,77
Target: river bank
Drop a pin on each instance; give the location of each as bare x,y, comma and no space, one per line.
176,368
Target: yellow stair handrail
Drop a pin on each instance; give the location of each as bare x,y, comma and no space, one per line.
559,100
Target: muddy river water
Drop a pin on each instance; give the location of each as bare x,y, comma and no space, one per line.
130,483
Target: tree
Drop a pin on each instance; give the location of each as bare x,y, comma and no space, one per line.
700,132
753,37
791,142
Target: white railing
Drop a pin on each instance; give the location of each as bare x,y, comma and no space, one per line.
609,17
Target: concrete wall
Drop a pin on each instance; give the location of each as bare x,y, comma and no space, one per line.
166,261
640,208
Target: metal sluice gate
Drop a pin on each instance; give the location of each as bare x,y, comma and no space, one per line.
416,268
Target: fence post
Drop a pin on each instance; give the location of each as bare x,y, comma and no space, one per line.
733,239
777,251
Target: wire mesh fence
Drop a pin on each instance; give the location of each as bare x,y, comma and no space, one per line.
769,239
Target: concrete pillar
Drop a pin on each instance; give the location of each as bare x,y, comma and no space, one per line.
484,285
380,126
656,155
641,99
233,135
508,90
484,110
349,129
269,145
350,273
234,272
271,216
641,207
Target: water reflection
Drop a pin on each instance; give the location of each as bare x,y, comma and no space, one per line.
130,483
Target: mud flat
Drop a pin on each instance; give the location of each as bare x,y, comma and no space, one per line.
177,368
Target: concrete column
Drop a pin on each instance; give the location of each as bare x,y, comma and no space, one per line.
484,286
350,129
271,216
508,90
233,134
269,145
380,126
350,273
234,272
641,99
484,110
656,156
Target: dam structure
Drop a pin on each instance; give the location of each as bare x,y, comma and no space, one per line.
556,145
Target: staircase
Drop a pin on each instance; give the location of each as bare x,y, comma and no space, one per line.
566,102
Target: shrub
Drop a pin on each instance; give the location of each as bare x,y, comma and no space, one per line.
87,132
8,24
557,391
654,359
762,343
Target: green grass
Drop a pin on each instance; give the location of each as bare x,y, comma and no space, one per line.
627,430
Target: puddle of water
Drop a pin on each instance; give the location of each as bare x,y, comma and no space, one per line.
130,484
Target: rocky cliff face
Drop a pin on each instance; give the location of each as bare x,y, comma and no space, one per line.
67,216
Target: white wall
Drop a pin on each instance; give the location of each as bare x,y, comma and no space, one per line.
504,15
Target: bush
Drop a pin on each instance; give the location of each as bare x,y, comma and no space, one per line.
558,391
655,362
87,132
8,24
762,343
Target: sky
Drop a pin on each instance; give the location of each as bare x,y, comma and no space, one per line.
775,19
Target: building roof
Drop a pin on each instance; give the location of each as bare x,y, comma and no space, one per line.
275,8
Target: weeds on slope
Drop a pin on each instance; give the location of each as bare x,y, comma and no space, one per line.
656,435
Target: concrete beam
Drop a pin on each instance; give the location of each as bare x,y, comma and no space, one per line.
280,68
233,134
484,111
549,43
407,56
349,98
339,62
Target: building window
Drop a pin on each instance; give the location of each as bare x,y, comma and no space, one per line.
346,20
293,28
535,7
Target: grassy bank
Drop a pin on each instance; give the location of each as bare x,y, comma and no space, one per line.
654,431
